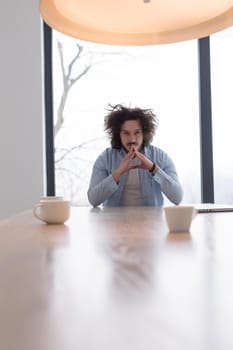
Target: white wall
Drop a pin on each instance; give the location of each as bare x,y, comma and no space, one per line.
21,113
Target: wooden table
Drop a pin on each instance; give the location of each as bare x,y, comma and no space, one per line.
115,279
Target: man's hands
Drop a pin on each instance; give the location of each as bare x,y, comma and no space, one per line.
127,165
124,166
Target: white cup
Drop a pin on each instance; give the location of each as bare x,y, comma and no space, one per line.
179,217
52,211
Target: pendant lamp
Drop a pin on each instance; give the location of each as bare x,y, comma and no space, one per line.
137,22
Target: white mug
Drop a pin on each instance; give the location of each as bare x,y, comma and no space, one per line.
179,217
52,211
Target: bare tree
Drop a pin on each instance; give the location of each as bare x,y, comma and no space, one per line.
68,160
69,79
79,65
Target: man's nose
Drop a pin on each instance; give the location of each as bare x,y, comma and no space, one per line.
132,138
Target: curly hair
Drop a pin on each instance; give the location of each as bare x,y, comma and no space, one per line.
118,114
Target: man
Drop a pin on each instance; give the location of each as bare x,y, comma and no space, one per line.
133,172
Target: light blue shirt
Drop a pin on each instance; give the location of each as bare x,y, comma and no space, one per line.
103,189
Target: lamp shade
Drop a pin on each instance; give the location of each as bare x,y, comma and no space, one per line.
137,22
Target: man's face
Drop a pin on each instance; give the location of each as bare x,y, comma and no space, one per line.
131,135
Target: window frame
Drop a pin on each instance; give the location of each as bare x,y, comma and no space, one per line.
205,117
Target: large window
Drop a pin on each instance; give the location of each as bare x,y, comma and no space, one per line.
222,111
163,78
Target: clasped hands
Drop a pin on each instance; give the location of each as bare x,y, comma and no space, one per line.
126,164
